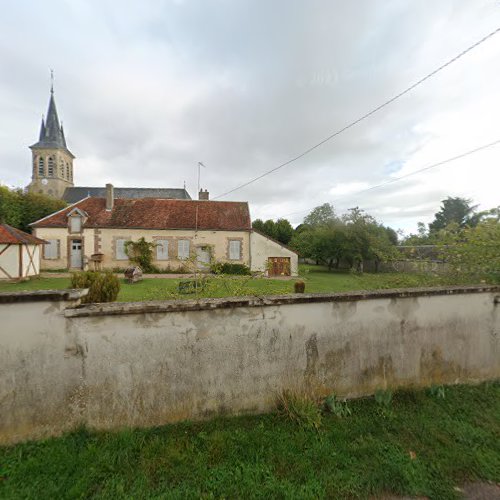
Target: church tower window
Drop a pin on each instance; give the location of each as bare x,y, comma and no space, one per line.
41,167
61,169
50,165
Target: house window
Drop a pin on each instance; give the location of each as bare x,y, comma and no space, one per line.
50,165
183,249
234,250
41,167
51,250
120,253
75,224
161,249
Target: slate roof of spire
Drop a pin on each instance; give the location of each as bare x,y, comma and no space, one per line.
51,132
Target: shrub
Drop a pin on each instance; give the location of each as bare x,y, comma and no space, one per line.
338,408
230,268
299,408
103,286
140,253
299,286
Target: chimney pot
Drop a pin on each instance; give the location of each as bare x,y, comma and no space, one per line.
110,196
203,195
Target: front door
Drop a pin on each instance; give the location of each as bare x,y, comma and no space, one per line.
76,254
203,258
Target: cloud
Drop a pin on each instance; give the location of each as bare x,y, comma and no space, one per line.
148,89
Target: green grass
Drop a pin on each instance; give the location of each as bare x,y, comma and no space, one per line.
317,279
422,445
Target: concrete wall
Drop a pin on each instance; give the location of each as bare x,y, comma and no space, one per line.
19,261
261,248
103,241
142,364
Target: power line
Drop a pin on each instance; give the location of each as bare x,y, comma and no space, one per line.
395,179
363,117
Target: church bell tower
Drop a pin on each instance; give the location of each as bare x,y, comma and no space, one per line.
52,161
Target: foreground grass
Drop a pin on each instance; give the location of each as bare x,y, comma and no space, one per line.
317,279
421,445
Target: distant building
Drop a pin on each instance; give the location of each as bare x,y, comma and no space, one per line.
52,168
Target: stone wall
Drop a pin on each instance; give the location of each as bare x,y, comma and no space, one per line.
143,364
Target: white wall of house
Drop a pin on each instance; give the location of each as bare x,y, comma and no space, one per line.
107,241
10,265
261,248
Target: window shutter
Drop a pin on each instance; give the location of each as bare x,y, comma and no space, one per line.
162,250
234,249
183,249
76,224
50,249
120,249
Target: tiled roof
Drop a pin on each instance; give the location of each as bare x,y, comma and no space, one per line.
77,193
154,213
9,234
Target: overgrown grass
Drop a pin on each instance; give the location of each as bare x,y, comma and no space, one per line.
316,278
426,445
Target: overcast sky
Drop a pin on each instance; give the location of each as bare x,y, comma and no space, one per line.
148,88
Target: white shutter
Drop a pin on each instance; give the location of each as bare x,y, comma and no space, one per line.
161,249
50,249
234,249
120,249
76,224
183,249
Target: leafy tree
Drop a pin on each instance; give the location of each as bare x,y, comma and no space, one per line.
281,230
322,215
474,251
453,210
19,209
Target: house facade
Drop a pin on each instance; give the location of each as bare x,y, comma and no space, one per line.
19,254
187,234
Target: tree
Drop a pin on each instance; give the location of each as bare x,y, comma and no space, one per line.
19,209
475,251
281,230
322,215
453,210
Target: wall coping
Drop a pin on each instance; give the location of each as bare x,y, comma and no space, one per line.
165,306
43,295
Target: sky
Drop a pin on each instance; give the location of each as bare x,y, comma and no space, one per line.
148,88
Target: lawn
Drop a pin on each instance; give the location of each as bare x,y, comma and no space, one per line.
317,279
423,443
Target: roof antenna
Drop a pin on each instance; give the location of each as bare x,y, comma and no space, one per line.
52,81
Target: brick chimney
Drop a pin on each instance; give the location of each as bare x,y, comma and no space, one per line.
110,196
203,195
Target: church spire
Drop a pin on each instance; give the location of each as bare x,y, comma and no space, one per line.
51,131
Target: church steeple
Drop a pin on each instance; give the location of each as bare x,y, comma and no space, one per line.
52,160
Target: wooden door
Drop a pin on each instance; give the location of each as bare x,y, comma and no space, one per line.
76,260
279,266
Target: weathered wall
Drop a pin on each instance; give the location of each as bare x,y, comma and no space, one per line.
141,364
262,248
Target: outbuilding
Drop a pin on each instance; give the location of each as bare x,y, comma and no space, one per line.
19,253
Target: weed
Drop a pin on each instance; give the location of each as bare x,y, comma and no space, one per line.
437,391
383,397
338,408
300,408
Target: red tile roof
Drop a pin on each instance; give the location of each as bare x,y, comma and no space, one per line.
9,234
154,213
